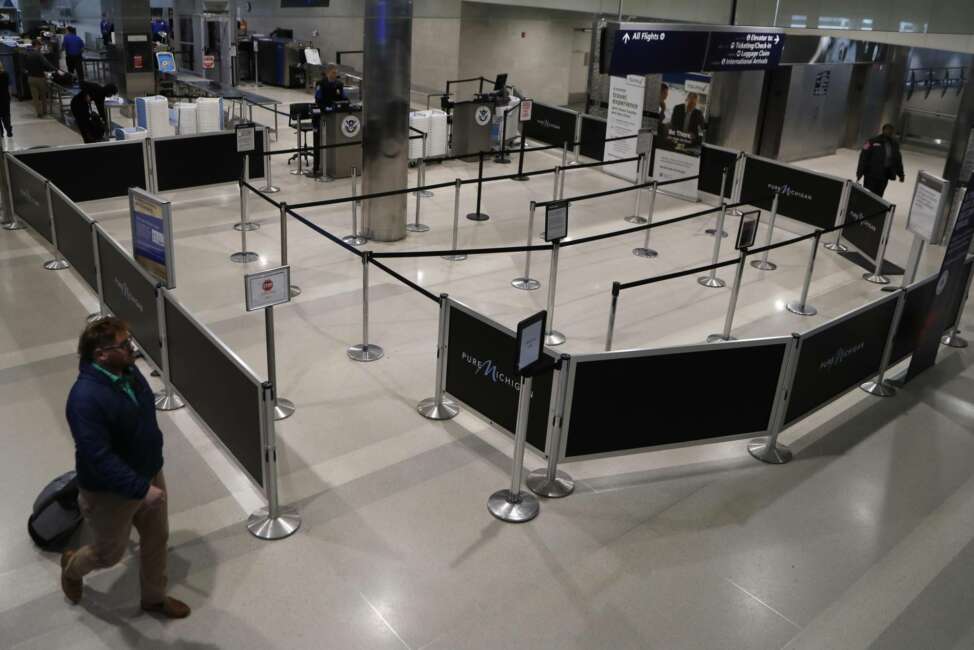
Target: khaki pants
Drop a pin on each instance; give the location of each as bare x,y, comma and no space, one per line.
111,518
38,94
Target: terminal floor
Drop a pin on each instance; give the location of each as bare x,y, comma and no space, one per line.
864,541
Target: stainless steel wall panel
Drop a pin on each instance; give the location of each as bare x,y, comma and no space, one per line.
815,116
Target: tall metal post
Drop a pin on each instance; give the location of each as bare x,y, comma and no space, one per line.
913,262
99,286
612,316
552,336
301,146
422,170
513,505
645,250
166,399
365,351
356,238
711,280
880,388
725,334
501,157
521,176
440,407
763,264
720,226
953,338
801,307
478,215
642,169
13,223
767,449
244,223
243,256
269,187
526,282
456,257
58,263
294,289
551,482
283,408
416,226
877,277
274,521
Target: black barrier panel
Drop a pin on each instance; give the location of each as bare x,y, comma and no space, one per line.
29,195
225,396
131,295
627,403
804,196
74,237
91,172
480,373
840,356
712,164
592,140
865,235
959,296
550,125
915,312
208,159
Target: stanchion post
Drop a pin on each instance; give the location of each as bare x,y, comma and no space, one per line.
645,250
642,168
478,215
416,226
513,505
58,263
456,257
440,407
356,238
243,256
166,399
725,334
553,336
551,482
763,264
801,306
272,522
269,187
99,280
719,227
711,280
913,262
526,282
501,157
365,351
953,338
13,223
767,449
294,289
880,388
877,277
245,223
283,408
612,316
422,170
520,160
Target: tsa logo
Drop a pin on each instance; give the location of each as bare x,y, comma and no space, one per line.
351,126
482,116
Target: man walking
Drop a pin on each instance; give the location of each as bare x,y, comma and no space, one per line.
118,453
74,49
880,161
35,65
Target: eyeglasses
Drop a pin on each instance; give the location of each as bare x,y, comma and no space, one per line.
127,345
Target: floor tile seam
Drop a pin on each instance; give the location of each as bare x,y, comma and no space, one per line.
385,622
763,604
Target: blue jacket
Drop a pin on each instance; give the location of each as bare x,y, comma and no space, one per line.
118,444
73,45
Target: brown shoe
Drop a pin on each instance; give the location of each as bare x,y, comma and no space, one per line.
170,608
72,588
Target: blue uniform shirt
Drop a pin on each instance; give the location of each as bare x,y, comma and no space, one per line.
73,45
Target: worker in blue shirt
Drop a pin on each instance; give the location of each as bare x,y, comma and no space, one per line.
107,27
73,49
329,90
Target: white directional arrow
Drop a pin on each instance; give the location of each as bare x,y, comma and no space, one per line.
625,38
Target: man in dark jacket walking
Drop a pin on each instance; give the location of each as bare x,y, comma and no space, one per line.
118,453
880,161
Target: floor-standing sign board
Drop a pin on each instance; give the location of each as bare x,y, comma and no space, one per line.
152,239
928,209
951,283
246,138
625,118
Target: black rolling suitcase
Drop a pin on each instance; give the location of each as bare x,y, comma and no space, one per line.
56,513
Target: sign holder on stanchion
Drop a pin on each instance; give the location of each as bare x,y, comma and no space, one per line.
263,290
952,338
513,505
526,106
295,290
269,187
555,229
58,263
416,226
356,238
440,407
243,256
552,482
720,224
642,169
927,218
478,215
877,277
526,282
456,257
274,521
767,449
746,233
166,399
801,306
645,250
711,280
880,387
245,144
763,264
365,351
612,316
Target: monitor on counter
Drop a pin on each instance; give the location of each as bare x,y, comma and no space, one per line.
500,83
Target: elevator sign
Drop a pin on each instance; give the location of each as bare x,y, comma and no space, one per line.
744,50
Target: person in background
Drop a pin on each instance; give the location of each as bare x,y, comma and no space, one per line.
329,90
664,92
880,161
687,117
35,65
5,102
74,47
88,109
107,27
118,453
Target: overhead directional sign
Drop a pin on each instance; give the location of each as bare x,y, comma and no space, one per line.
744,50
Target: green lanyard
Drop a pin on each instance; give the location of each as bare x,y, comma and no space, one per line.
119,380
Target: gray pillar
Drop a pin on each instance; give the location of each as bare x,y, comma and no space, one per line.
962,140
132,38
385,97
30,14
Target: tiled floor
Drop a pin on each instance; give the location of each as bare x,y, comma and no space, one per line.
863,541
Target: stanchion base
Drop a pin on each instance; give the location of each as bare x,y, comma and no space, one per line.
249,226
426,194
168,402
875,278
444,410
711,282
455,258
284,409
838,248
954,340
554,337
14,225
644,252
521,177
56,265
318,179
525,284
761,265
354,240
514,508
714,338
502,160
296,172
879,389
270,189
417,227
560,486
478,216
800,309
244,257
285,524
294,290
774,455
711,231
365,352
634,218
